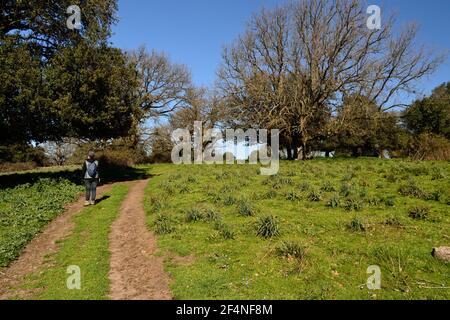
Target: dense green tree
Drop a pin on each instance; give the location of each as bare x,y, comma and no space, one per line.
431,114
23,103
43,22
361,128
92,90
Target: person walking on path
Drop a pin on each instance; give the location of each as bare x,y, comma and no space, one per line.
91,178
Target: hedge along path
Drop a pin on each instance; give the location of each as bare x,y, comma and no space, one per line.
136,273
33,256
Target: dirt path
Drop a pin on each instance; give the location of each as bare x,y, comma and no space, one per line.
135,273
33,256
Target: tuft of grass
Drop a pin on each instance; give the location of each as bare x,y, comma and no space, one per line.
267,227
194,215
245,208
411,189
229,200
163,225
328,187
183,189
419,212
292,196
314,196
271,194
357,225
291,249
352,204
212,216
304,186
393,221
389,201
334,201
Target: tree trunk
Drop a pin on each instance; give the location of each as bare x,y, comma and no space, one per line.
295,151
289,152
304,154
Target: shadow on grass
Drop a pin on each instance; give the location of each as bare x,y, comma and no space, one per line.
108,175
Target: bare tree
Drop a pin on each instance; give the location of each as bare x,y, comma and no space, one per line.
163,84
297,63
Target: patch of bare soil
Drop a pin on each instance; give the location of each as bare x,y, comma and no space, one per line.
136,273
33,256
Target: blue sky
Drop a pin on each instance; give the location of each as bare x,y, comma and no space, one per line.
193,32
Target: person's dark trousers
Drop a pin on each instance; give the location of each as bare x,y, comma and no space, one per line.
91,189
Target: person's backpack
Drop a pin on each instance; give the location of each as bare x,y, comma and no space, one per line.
91,168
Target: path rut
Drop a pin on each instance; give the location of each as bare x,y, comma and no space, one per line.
136,273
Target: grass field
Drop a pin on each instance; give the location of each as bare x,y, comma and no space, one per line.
27,208
310,232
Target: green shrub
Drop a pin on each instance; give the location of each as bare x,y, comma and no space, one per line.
267,227
346,190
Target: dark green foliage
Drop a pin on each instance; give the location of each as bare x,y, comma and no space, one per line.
184,188
267,227
98,94
432,114
26,209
